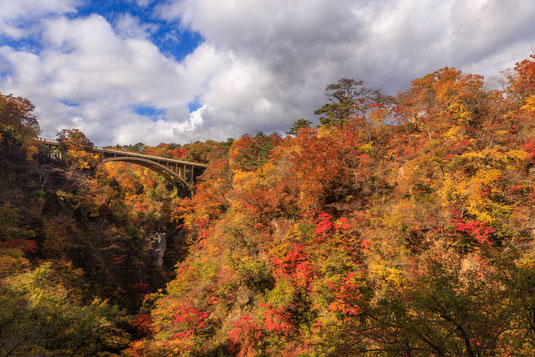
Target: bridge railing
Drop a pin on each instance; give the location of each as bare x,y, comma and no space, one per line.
47,141
128,153
161,158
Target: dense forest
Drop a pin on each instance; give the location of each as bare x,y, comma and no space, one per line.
400,226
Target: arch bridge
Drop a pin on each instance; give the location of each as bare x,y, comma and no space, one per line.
180,173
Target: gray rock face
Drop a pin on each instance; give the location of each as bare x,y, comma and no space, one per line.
156,245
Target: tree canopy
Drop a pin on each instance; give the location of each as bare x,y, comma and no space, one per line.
398,227
348,98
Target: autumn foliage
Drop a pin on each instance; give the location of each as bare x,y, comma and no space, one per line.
402,226
403,229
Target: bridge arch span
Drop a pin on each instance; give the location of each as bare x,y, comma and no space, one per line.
179,172
160,169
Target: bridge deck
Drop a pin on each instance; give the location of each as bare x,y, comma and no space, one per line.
129,153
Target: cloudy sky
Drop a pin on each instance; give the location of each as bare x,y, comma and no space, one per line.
128,71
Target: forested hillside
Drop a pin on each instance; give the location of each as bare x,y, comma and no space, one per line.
401,226
81,244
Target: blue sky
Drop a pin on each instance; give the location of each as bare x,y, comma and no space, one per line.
182,70
167,35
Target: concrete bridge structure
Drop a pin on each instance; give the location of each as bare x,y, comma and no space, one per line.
178,172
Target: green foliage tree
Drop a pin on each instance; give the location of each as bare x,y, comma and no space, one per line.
138,147
348,98
298,125
250,152
37,317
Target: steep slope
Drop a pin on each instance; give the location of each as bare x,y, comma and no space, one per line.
79,246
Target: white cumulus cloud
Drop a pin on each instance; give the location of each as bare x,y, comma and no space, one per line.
92,77
261,65
16,16
285,53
